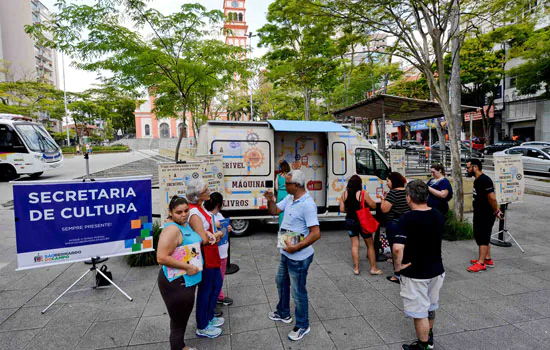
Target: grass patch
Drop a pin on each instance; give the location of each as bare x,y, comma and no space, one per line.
98,149
456,230
149,258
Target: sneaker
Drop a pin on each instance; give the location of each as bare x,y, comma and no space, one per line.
216,322
225,301
414,346
218,312
209,332
298,333
431,339
274,316
488,262
477,267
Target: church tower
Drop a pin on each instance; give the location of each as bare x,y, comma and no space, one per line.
235,23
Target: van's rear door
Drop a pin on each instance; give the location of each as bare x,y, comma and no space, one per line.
247,153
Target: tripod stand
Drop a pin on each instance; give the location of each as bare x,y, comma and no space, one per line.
499,238
94,261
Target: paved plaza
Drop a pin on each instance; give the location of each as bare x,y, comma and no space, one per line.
504,308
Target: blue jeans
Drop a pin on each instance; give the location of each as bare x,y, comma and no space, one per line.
207,296
293,273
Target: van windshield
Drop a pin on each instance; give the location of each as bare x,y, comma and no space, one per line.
37,138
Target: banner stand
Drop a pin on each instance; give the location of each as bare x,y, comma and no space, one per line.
499,238
93,268
231,268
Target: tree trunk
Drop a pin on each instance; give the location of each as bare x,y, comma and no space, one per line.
307,100
180,136
453,124
441,138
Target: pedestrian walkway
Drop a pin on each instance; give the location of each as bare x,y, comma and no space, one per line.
504,308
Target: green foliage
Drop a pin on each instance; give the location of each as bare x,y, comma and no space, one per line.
417,88
98,149
149,258
534,73
31,98
304,55
457,230
177,57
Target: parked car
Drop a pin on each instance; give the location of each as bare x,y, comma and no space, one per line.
373,142
499,146
476,145
534,158
538,144
407,144
464,152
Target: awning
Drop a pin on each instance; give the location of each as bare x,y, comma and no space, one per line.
395,108
306,126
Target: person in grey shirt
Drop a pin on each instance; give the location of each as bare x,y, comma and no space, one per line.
300,216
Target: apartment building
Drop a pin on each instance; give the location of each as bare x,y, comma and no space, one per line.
26,59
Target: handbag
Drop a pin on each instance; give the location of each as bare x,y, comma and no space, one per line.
368,223
100,281
210,252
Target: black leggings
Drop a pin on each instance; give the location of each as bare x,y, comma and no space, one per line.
179,301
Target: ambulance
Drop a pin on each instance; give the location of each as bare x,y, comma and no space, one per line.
326,152
26,148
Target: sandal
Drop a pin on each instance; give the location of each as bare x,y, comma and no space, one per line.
391,279
376,272
356,272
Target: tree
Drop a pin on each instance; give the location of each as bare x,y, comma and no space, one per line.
415,88
175,57
31,98
303,52
425,31
533,46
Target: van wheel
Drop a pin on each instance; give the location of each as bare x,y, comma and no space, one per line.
240,227
36,175
8,172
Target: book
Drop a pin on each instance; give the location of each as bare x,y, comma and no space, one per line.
190,254
282,237
224,225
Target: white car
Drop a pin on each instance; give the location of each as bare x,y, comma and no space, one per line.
537,144
534,158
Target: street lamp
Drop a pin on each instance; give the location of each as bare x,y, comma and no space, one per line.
250,36
65,100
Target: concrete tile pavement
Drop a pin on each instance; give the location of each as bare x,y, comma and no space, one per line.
504,308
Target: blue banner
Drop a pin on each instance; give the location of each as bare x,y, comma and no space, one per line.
73,221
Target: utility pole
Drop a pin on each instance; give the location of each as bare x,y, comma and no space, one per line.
65,100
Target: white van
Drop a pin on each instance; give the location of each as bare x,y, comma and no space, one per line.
26,148
326,152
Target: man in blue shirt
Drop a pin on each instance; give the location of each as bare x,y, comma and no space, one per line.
300,216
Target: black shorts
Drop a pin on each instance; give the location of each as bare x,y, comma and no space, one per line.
483,229
354,229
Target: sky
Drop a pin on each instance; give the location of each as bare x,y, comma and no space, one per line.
78,80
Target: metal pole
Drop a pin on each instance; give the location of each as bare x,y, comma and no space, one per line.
430,143
250,84
65,100
471,131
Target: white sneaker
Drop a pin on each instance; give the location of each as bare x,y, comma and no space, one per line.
274,316
298,333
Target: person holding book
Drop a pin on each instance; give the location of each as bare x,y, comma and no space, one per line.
214,206
394,205
300,218
350,203
178,252
280,185
207,295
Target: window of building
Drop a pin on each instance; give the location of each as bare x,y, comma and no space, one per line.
240,17
147,130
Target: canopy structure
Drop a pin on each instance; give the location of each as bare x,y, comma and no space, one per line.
394,108
306,126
